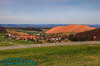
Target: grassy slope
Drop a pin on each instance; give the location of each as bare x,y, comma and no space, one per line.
11,42
26,31
74,55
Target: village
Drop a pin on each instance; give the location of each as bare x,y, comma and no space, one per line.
33,37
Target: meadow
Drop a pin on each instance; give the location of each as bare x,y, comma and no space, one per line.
69,55
12,42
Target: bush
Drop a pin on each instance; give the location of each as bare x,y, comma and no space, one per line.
2,37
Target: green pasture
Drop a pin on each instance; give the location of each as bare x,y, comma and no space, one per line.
69,55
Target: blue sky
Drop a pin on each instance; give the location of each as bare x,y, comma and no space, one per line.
49,11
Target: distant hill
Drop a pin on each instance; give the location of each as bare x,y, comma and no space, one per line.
43,25
32,25
69,28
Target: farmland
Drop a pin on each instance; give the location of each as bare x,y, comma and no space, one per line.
4,41
73,55
12,42
25,36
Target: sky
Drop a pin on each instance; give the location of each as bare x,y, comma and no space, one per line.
49,11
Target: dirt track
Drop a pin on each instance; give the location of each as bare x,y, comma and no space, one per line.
52,44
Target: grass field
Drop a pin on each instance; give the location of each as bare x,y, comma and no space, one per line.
12,42
71,55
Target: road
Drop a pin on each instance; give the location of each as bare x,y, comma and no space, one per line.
52,44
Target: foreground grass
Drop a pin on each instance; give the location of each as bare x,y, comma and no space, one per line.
13,42
71,55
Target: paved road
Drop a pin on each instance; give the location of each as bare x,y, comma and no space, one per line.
52,44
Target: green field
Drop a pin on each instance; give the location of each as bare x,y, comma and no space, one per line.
70,55
12,42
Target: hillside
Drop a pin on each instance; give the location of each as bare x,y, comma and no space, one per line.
2,30
69,28
92,35
43,25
